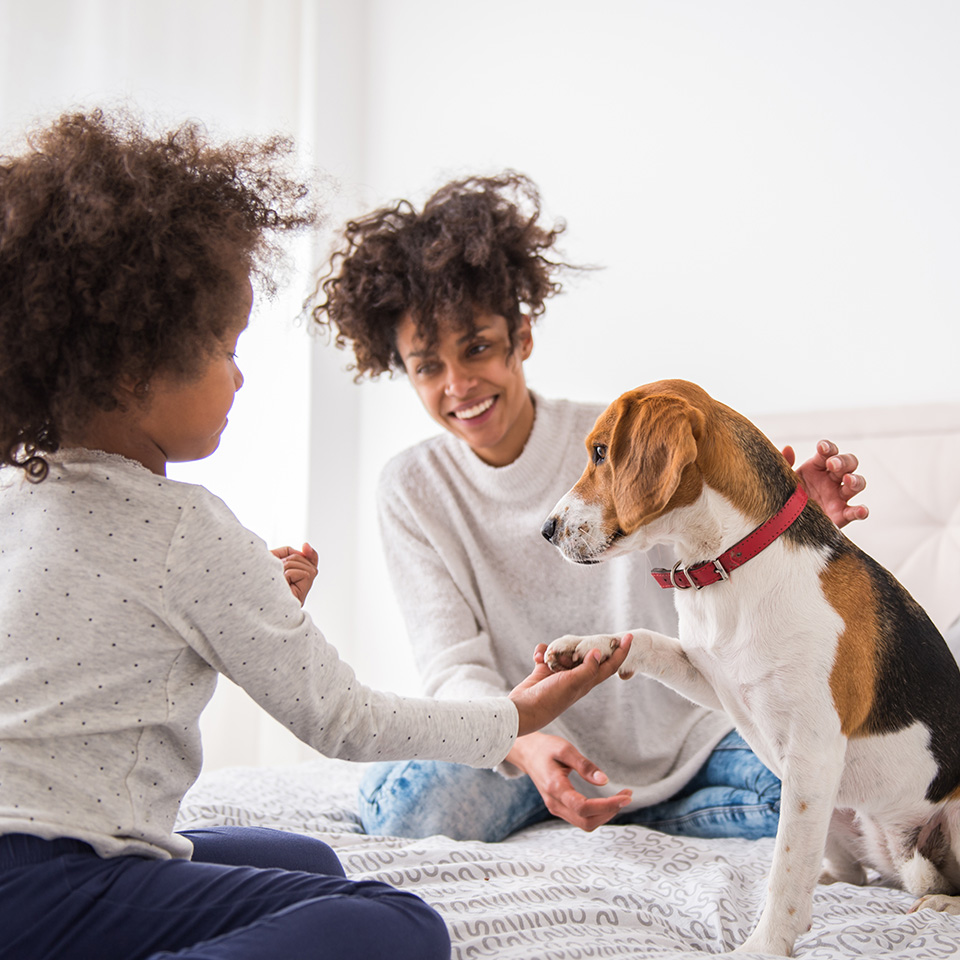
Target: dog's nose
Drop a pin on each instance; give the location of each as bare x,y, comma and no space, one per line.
549,528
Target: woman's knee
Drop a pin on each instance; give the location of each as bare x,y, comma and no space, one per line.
390,796
423,798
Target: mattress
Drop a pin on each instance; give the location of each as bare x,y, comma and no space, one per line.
553,892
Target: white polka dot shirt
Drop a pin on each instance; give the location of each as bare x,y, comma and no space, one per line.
122,594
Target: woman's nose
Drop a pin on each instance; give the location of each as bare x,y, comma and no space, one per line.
459,381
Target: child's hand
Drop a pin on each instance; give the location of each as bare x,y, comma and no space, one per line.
299,567
544,695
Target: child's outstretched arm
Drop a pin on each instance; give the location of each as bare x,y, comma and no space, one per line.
539,701
299,568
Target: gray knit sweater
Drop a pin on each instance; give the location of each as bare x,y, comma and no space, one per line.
479,588
122,594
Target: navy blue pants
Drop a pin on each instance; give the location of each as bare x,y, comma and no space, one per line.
248,893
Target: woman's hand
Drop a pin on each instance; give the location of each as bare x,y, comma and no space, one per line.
549,761
830,479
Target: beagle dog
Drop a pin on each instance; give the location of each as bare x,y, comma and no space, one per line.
830,670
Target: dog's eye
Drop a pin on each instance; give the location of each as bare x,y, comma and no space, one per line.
599,453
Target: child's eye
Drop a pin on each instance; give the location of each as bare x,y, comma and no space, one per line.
426,369
478,348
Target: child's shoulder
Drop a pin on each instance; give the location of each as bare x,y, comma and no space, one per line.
95,480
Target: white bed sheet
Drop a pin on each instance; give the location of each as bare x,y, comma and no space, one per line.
552,892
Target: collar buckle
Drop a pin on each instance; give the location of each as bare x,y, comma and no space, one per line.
691,580
721,570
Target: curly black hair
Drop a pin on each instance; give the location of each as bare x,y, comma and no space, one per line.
120,253
476,245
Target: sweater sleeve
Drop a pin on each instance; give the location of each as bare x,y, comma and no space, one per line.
436,591
227,596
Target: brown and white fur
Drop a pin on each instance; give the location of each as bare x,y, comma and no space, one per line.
828,667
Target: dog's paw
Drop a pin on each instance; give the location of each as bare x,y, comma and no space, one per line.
768,946
939,902
569,651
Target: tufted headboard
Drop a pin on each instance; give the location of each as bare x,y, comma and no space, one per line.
910,457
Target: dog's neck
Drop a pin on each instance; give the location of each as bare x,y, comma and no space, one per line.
703,529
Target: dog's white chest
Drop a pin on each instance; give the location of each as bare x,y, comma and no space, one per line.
765,640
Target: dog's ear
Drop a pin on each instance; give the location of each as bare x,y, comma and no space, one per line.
653,440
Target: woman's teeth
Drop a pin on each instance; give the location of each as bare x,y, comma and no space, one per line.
470,412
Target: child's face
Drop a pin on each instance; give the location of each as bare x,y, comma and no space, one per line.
471,382
176,419
183,420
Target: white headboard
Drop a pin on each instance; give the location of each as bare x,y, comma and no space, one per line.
910,457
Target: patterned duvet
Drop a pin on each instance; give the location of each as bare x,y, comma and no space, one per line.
552,892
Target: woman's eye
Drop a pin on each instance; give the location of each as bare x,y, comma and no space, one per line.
478,348
599,453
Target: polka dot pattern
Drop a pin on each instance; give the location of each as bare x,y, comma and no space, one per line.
121,596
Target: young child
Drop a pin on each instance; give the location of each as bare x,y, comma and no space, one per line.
447,294
125,282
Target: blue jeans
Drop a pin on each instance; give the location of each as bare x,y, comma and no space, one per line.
732,795
248,893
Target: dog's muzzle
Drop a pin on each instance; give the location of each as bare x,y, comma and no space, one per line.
555,532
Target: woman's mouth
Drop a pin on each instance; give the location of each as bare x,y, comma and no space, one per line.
477,410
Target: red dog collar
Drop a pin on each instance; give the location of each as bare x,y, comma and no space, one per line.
710,571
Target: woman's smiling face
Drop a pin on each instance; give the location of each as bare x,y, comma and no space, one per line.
471,382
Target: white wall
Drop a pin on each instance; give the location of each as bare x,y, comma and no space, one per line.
770,187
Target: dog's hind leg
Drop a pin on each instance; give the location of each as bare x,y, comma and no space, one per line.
933,872
841,859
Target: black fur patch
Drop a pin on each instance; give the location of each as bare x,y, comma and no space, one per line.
813,528
917,676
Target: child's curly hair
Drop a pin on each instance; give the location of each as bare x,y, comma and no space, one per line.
120,255
476,244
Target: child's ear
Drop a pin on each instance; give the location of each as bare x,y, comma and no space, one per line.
131,391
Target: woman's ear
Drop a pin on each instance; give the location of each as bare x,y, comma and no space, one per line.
525,337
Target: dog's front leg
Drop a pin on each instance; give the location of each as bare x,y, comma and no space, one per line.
653,654
809,792
663,658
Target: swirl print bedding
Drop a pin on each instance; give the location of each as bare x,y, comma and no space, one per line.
552,892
